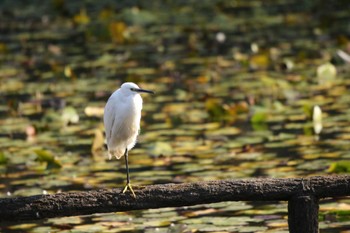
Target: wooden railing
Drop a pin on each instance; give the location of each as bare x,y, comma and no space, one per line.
302,194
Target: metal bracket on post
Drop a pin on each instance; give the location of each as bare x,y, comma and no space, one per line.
303,214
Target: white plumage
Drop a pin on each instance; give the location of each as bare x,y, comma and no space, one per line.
122,116
122,120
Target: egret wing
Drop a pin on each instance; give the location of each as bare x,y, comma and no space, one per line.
110,111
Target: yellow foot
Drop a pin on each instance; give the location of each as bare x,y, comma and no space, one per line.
128,185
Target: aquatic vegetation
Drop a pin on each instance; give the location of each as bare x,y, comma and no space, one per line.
236,81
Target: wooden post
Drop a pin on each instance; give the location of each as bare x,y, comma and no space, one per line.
303,214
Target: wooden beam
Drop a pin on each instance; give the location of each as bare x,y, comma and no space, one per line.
171,195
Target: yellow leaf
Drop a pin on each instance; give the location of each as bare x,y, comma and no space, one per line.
94,111
98,141
3,48
118,32
68,72
82,17
259,60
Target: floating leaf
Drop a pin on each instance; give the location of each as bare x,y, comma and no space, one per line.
82,17
69,73
94,111
259,60
211,100
259,116
3,48
23,226
308,110
160,148
326,73
47,157
215,109
3,158
138,16
98,141
118,31
339,167
10,85
336,208
52,120
70,115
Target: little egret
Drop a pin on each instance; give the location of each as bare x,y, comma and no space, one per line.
122,117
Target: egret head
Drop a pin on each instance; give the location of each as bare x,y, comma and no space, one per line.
130,88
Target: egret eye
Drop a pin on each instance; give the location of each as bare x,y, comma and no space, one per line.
132,89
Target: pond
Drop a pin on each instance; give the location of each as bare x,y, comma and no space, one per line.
236,86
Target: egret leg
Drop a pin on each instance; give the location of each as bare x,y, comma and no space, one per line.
128,184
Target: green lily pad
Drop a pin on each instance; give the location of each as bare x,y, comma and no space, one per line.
48,158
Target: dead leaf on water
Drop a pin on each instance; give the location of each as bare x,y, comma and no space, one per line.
119,32
98,145
93,111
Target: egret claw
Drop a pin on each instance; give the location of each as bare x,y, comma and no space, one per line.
128,186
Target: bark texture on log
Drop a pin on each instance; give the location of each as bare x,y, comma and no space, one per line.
170,195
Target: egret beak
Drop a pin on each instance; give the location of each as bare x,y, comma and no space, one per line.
143,90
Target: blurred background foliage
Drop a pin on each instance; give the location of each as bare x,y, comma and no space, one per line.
244,89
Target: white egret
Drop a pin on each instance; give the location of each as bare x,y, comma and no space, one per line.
122,117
